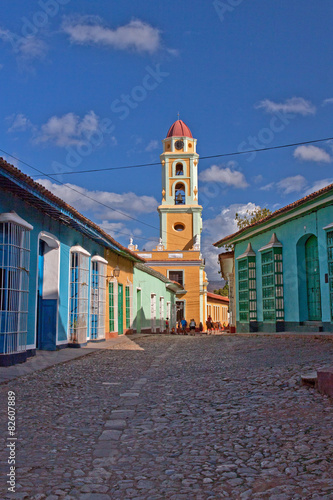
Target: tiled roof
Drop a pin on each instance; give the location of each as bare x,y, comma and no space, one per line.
38,196
179,129
277,213
217,297
147,269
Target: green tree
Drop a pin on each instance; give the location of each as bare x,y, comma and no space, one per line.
251,216
223,291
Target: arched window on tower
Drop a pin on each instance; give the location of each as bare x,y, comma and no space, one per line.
180,194
179,169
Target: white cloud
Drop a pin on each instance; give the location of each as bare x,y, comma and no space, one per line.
312,153
20,123
215,229
112,228
318,185
257,179
153,144
68,129
223,175
129,203
292,184
328,101
296,105
136,35
26,48
267,187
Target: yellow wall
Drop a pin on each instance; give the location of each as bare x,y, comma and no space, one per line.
179,240
191,281
126,273
217,310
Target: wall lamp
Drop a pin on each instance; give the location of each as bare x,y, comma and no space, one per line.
115,273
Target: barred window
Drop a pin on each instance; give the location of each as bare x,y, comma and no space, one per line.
330,268
128,306
111,307
98,296
14,282
247,294
78,299
272,285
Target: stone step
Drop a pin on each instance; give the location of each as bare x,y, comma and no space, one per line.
309,379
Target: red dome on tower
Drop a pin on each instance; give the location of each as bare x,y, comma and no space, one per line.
179,129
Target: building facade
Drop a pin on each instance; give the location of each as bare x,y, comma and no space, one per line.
53,271
283,268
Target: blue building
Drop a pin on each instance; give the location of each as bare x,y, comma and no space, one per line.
283,268
52,270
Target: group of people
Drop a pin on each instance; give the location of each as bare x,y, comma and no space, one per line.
183,328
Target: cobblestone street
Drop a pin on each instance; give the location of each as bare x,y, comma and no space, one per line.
176,418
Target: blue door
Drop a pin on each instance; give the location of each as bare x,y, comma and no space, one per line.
46,310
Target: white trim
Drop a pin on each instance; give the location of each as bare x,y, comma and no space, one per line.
62,342
13,218
54,244
49,239
330,226
79,249
98,258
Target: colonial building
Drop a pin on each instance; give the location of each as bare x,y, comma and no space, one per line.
283,268
63,280
178,255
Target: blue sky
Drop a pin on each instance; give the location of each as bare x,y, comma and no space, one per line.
88,85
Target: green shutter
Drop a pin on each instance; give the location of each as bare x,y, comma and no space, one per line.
272,285
128,307
111,307
247,294
330,267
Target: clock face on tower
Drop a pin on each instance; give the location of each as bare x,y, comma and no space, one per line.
179,144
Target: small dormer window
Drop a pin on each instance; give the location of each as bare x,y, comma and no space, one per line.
179,169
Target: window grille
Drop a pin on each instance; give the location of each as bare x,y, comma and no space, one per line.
79,288
111,307
14,283
330,268
128,306
247,294
177,276
98,297
161,314
272,285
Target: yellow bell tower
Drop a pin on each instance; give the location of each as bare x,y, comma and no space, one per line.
180,212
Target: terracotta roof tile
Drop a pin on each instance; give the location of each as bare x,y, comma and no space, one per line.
277,213
30,183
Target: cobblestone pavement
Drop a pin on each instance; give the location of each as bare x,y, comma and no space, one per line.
177,418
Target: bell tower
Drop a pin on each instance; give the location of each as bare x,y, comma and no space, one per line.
180,212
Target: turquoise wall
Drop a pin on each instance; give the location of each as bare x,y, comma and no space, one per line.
68,237
149,284
293,234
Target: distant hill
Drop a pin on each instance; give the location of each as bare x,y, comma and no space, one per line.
215,285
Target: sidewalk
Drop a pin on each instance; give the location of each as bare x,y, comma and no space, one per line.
45,359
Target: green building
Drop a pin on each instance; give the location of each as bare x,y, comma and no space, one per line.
154,300
283,268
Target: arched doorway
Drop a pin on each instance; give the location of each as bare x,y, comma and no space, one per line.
313,279
47,292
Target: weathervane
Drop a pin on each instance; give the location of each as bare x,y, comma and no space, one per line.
178,115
